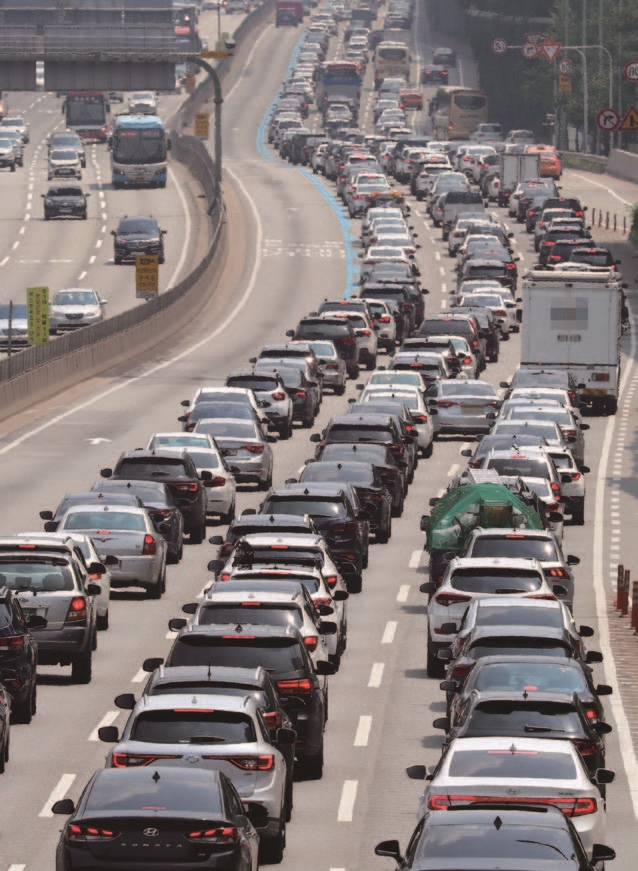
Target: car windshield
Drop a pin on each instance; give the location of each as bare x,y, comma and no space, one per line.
275,655
517,646
232,429
147,467
75,297
530,677
313,505
193,727
35,574
136,225
513,763
253,610
515,547
64,155
519,466
253,382
495,581
511,615
204,459
105,520
526,717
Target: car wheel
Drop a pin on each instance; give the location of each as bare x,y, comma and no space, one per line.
339,391
354,583
427,452
102,622
493,358
3,751
155,592
199,534
578,515
308,420
83,216
47,216
117,260
267,484
434,666
82,668
312,766
285,431
335,659
13,167
397,511
160,259
229,516
371,363
94,640
22,712
272,849
382,536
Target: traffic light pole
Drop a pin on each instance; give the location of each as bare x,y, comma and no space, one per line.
218,120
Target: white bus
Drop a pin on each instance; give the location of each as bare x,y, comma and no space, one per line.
391,59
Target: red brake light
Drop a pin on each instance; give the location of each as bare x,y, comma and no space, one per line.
88,833
384,319
556,573
445,403
215,836
311,641
12,642
300,393
126,760
273,720
193,487
302,687
460,670
77,610
446,599
249,763
279,395
348,526
592,713
218,481
150,546
571,807
586,748
254,449
331,580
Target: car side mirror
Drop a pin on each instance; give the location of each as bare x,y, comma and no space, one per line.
324,668
46,515
442,723
183,418
416,772
93,589
189,607
106,473
466,453
602,853
504,384
257,814
584,469
584,427
215,565
445,655
286,736
108,734
272,440
424,523
51,526
585,631
428,588
448,629
290,333
603,728
593,656
149,665
573,560
63,807
391,849
605,775
185,403
448,686
126,701
111,560
97,568
604,689
315,437
559,590
327,627
216,539
433,500
176,624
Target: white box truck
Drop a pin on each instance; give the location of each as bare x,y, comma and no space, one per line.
573,321
513,169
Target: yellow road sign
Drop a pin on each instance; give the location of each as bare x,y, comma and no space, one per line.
189,82
146,276
202,125
38,315
630,121
213,54
564,84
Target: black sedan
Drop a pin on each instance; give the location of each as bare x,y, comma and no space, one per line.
142,817
139,235
65,201
434,74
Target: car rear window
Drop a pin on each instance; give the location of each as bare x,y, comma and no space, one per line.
446,327
232,429
35,574
492,615
359,474
530,677
511,717
188,687
466,388
513,763
275,655
146,467
191,795
311,505
257,612
323,331
516,646
512,467
543,430
223,396
495,581
106,520
515,546
358,433
253,382
193,727
215,410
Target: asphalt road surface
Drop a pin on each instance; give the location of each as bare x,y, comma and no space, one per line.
289,248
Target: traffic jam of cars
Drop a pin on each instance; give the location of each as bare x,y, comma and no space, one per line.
237,711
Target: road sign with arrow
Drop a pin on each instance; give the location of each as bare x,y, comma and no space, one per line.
608,119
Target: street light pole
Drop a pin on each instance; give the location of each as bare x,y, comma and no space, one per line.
581,52
212,72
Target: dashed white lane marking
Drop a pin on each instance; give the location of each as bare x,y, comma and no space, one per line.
22,867
103,230
139,676
348,798
98,244
81,275
451,472
363,731
415,559
171,635
107,720
388,632
444,303
443,287
92,259
104,216
441,270
59,791
27,216
4,261
21,231
404,592
15,245
437,255
376,675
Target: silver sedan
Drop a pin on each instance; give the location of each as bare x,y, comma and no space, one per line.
331,366
246,449
463,406
127,533
75,307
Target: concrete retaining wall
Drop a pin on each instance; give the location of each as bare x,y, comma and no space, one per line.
623,164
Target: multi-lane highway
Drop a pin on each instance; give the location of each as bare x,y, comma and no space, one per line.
287,252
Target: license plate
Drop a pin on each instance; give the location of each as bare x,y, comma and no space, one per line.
473,409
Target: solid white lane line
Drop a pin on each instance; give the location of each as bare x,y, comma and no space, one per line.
376,675
139,676
107,720
415,559
604,187
404,592
363,731
187,228
451,472
348,798
388,632
63,786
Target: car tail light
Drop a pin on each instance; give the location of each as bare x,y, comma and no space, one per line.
364,332
396,450
591,713
475,343
467,360
226,548
575,476
571,807
500,311
239,637
349,340
406,306
129,760
273,719
193,487
446,599
249,763
445,403
420,418
279,395
459,671
511,266
554,257
600,376
311,641
494,403
227,835
586,748
254,449
548,243
331,580
12,642
150,546
347,526
542,224
302,687
555,489
88,833
332,366
556,573
77,612
219,481
384,319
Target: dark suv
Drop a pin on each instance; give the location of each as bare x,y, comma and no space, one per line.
18,655
339,517
178,471
281,651
139,235
379,429
458,325
65,200
337,330
250,523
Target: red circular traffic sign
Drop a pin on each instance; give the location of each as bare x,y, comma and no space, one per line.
608,119
630,71
530,50
499,46
565,66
